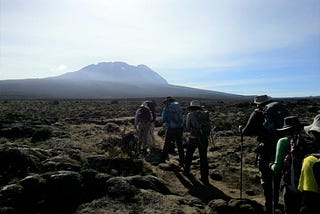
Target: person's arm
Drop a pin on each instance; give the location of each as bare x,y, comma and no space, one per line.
281,151
136,119
188,122
255,120
164,115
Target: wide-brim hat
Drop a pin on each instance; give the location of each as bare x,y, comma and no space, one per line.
315,126
291,122
259,99
195,104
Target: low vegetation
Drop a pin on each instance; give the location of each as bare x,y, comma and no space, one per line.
89,144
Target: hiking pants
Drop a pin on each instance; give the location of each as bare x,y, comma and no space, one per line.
143,135
173,135
310,202
151,135
270,194
202,146
292,201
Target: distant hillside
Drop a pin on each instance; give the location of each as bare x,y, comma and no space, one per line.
103,80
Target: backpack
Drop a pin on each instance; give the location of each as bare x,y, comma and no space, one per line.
204,122
143,114
274,114
175,118
299,148
152,107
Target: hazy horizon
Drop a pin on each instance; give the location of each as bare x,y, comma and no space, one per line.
242,47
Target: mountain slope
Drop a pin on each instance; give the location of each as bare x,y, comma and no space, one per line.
115,72
100,81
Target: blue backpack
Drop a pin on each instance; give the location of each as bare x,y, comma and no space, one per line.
175,117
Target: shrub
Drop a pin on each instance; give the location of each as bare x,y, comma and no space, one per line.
113,102
41,135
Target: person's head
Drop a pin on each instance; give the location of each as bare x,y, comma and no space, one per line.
168,100
194,105
260,100
291,125
144,104
314,129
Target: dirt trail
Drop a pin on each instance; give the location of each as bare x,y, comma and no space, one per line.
189,186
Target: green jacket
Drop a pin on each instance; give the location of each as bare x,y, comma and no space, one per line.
283,146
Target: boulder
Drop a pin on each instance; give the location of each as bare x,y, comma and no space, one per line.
63,191
120,188
149,182
60,163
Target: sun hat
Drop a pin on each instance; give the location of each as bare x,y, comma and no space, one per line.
259,99
315,126
195,104
291,122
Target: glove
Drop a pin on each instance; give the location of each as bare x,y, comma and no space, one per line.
274,168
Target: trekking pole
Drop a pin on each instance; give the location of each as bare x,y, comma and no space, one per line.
273,211
241,159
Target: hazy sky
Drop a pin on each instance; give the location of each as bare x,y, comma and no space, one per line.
236,46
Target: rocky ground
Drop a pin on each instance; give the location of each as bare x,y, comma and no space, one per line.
75,156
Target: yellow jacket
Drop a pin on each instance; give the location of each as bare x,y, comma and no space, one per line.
307,181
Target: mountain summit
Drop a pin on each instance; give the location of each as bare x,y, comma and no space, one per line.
115,72
103,81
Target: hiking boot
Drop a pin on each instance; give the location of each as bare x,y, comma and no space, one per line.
186,172
205,181
164,158
144,152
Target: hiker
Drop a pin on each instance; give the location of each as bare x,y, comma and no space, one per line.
173,119
309,182
262,123
152,106
143,118
198,125
288,160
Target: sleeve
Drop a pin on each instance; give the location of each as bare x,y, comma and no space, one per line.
151,116
136,118
164,115
188,122
281,151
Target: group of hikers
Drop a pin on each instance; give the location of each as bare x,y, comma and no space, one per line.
287,151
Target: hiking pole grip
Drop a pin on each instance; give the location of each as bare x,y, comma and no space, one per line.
241,159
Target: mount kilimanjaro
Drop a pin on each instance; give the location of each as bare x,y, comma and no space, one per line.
102,81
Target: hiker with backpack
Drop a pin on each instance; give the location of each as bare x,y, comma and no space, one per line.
199,126
262,123
309,182
173,119
290,152
142,123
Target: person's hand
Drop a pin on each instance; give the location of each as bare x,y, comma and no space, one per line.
240,129
274,168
